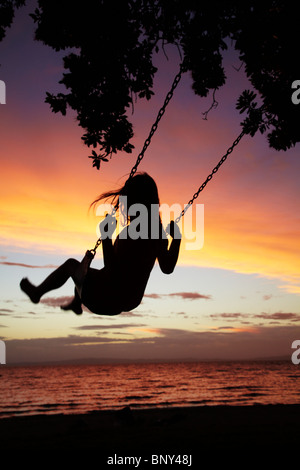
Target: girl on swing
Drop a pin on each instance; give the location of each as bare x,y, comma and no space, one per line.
120,285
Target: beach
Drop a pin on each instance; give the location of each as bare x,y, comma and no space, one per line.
182,431
150,411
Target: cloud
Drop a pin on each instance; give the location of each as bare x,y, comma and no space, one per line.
23,265
279,316
5,311
108,327
131,314
161,344
265,316
227,315
153,296
267,297
183,295
64,300
190,295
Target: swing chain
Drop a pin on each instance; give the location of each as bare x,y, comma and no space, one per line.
147,143
148,140
158,118
216,168
97,244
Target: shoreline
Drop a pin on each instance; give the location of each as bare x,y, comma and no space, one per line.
183,430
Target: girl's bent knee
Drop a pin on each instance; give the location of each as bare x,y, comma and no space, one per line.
71,263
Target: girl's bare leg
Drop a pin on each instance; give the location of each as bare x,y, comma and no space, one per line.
71,268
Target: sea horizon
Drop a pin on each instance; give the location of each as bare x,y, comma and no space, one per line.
124,361
85,388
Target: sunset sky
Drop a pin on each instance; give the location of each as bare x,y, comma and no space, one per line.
235,298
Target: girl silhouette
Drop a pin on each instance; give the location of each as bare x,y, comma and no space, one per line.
120,285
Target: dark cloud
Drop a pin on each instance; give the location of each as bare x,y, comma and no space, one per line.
190,295
228,315
5,311
152,296
22,265
131,314
161,344
183,295
279,316
109,327
64,300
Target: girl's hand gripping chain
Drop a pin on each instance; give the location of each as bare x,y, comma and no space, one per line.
173,230
107,227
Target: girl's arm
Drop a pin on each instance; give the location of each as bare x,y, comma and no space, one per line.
107,228
167,258
108,252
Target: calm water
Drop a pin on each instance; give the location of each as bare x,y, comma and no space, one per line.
81,389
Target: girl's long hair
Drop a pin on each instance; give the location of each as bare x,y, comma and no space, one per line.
139,189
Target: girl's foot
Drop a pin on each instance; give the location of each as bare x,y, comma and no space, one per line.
74,305
30,290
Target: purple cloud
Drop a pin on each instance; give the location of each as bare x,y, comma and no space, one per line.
183,295
23,265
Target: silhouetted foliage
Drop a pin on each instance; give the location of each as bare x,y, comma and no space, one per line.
7,11
110,64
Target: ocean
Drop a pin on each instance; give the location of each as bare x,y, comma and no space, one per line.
74,389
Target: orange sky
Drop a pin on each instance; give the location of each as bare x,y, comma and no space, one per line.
250,226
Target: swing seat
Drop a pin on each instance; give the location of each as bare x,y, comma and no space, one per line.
88,257
83,269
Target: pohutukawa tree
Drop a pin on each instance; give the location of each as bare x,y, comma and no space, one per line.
111,60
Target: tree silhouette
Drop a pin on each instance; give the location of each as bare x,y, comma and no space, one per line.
111,60
7,11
